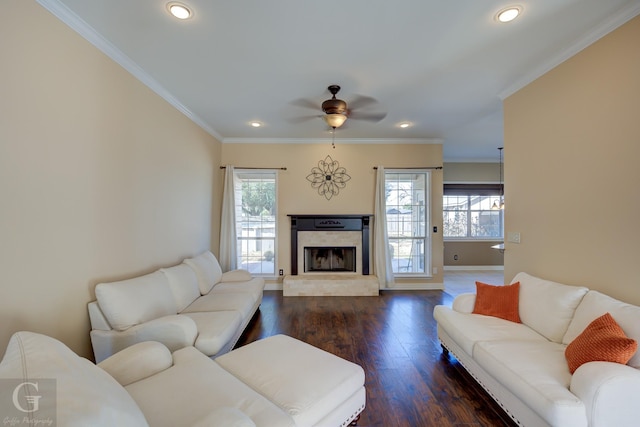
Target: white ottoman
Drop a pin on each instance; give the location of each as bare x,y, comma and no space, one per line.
314,387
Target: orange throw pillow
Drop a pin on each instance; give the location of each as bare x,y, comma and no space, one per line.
603,340
498,301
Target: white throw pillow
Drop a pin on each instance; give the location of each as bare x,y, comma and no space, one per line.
130,302
207,269
82,394
547,307
183,283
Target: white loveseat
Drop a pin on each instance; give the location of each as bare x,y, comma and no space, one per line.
523,365
267,383
190,304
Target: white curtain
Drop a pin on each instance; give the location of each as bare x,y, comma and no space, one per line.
381,253
228,239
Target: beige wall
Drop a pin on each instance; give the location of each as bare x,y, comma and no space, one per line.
471,253
465,173
100,179
572,144
295,195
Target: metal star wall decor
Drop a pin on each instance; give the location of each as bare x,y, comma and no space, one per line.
328,177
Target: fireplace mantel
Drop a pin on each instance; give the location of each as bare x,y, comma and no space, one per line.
330,223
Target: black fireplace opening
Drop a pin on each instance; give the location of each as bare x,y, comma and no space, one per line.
330,259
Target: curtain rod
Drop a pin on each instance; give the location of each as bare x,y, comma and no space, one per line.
417,167
240,167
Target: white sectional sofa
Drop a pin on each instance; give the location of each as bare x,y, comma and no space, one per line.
190,304
523,365
275,382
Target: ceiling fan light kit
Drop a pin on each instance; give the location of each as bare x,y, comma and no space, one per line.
335,120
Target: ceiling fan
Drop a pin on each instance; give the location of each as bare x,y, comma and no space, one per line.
336,111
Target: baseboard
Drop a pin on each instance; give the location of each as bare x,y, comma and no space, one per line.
398,287
415,287
473,267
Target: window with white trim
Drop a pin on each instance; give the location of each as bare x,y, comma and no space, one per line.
471,212
255,208
407,213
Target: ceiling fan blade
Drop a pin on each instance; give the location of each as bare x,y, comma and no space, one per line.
306,103
361,101
370,117
301,119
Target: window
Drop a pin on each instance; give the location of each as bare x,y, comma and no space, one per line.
255,199
406,196
468,212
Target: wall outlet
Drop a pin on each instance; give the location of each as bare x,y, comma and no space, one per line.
281,272
513,237
435,270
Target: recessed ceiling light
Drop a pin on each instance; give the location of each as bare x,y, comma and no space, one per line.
179,10
404,125
256,124
508,14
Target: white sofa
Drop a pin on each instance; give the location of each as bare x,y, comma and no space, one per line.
266,383
523,365
190,304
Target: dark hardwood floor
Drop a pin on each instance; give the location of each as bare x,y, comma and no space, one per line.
409,381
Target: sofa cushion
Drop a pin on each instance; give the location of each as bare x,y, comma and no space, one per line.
602,341
137,362
83,394
546,306
134,301
237,275
497,301
536,373
207,270
183,283
215,329
223,301
468,329
594,305
225,417
207,388
254,286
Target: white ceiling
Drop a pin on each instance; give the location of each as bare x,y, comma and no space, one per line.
444,66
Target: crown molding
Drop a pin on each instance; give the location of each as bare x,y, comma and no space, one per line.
66,15
328,140
623,16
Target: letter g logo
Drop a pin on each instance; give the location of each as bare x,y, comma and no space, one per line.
32,401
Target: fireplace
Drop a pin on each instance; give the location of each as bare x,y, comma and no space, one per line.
329,259
333,244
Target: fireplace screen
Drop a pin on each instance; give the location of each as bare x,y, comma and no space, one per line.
330,259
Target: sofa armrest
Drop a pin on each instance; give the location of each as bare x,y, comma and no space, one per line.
236,276
609,392
464,303
138,362
175,331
